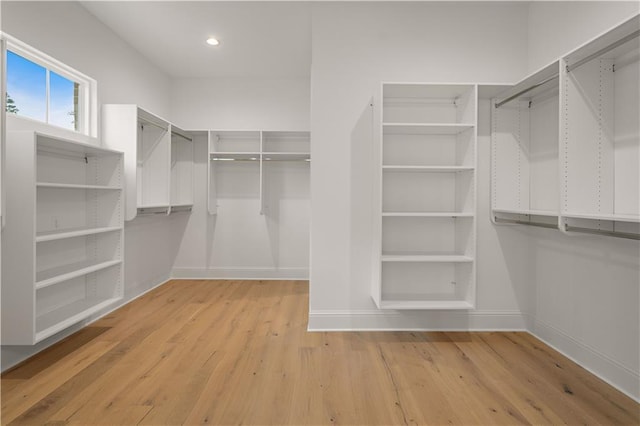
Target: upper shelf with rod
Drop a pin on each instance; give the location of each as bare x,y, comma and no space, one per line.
158,156
600,142
566,141
524,149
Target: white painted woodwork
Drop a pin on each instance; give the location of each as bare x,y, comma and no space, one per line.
64,240
424,255
146,141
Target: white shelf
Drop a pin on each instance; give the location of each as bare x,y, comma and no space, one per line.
55,144
425,258
76,186
231,156
286,156
55,321
425,304
547,213
432,169
71,233
610,217
425,128
63,273
427,214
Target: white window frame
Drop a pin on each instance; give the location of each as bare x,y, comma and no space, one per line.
87,90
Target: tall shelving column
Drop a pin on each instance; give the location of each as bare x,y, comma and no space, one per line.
426,233
63,245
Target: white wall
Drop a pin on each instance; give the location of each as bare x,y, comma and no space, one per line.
586,287
67,32
354,47
238,242
557,27
241,103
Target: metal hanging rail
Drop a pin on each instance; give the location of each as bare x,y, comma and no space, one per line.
523,222
522,92
144,120
618,234
612,46
180,135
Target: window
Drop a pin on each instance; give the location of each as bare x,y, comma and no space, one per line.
41,88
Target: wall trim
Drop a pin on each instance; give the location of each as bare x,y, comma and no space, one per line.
377,320
620,376
241,273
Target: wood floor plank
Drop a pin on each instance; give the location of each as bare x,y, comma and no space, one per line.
237,352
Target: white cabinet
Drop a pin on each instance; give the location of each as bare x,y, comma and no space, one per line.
63,240
566,141
425,254
145,140
241,160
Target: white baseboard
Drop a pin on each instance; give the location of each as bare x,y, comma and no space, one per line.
376,320
241,273
621,377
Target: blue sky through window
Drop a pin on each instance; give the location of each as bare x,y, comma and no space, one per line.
27,86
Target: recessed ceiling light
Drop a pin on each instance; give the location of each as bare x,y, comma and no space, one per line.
213,41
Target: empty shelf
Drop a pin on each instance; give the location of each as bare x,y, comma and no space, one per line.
424,129
286,156
52,322
150,209
548,213
599,216
75,186
435,169
421,257
63,273
71,233
426,214
237,156
425,304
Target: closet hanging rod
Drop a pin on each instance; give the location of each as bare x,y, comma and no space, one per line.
612,46
147,121
528,89
181,136
523,222
235,159
618,234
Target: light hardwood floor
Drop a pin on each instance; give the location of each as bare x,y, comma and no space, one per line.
237,352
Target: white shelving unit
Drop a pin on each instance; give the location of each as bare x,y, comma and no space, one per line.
182,163
63,243
600,144
246,157
566,141
524,150
425,256
145,140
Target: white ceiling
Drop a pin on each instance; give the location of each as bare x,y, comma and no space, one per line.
256,38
